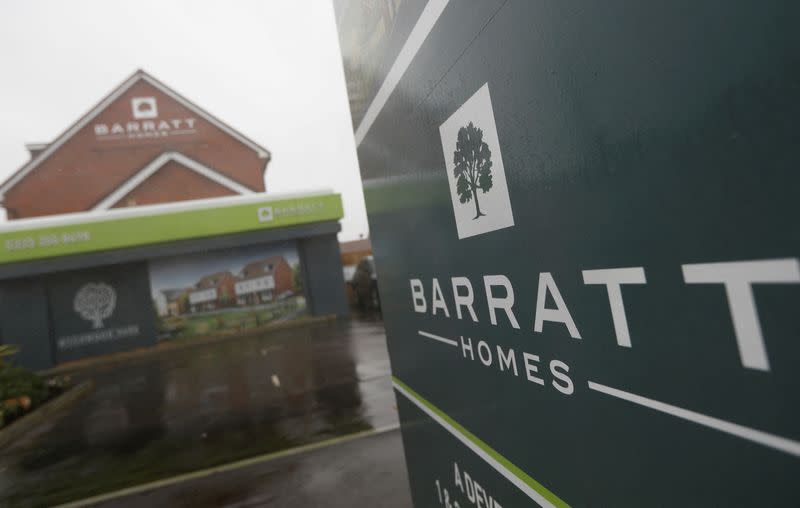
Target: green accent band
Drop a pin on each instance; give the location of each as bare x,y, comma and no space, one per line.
98,233
519,473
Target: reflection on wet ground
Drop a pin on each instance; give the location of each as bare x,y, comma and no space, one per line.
368,472
189,409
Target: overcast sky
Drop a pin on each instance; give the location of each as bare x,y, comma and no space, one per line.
269,68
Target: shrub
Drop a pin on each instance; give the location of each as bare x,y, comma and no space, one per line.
20,391
16,382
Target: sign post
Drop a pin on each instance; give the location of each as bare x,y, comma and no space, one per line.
584,219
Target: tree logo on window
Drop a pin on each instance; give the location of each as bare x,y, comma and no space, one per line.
95,302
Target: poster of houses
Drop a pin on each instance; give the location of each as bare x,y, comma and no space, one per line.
226,291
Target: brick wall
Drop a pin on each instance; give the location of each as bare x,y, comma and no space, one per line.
89,167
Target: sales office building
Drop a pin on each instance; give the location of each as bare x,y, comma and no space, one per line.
143,218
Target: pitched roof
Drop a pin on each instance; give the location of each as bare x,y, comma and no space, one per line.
212,280
159,162
137,76
261,267
172,294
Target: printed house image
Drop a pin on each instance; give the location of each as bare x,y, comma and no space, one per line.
230,290
212,292
263,281
258,282
170,302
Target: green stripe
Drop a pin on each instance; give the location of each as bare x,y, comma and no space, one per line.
519,473
119,232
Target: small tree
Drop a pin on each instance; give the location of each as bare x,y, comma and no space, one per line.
473,166
95,302
297,279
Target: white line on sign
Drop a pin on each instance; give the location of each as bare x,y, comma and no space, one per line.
447,341
521,485
777,442
415,39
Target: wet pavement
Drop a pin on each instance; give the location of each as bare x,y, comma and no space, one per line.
180,411
367,472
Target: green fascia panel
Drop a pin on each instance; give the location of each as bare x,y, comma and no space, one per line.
93,232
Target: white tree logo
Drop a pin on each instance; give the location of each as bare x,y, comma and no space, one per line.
95,302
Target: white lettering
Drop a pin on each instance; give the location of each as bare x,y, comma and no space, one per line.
463,300
467,346
417,295
558,315
509,360
437,300
470,488
506,303
479,496
483,346
562,376
613,278
530,368
457,475
738,277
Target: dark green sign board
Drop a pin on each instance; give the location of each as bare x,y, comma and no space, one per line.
584,218
100,311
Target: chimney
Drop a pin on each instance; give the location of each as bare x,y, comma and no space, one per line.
36,148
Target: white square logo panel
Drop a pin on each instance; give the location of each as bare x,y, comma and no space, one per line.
475,172
265,214
144,108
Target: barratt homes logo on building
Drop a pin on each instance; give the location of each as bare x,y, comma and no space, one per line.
144,108
144,123
95,302
474,166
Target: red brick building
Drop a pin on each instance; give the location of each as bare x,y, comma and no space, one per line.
141,144
213,292
264,280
